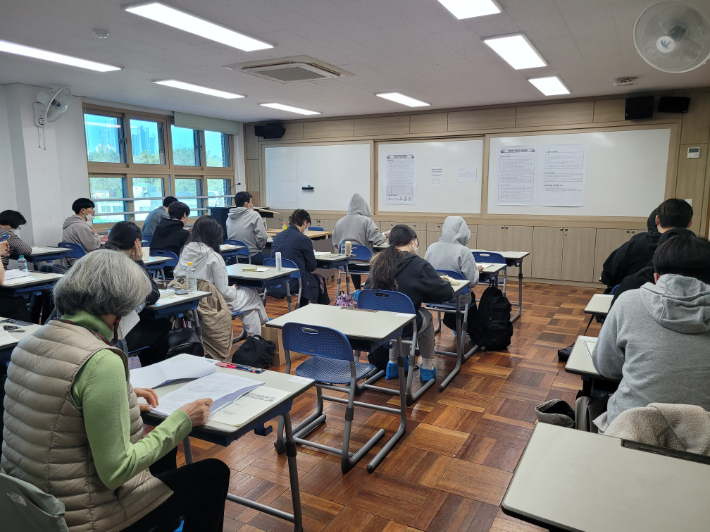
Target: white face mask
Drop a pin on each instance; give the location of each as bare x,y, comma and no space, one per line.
415,246
90,218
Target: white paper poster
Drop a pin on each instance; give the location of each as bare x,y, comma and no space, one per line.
467,175
401,179
564,175
516,175
436,177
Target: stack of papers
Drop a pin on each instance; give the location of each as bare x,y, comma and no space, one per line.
222,388
15,274
173,369
248,406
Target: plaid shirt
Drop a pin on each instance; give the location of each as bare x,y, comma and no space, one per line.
17,246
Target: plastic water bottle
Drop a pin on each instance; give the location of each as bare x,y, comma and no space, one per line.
278,261
191,278
22,264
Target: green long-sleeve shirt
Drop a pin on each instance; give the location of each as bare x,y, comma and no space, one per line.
99,391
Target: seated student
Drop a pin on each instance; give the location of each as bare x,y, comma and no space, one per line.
358,228
637,252
171,235
10,221
11,307
78,228
294,245
126,237
656,339
156,216
202,249
245,224
72,420
451,253
400,268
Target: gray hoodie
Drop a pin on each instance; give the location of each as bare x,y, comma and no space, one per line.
451,253
656,340
246,225
77,230
357,226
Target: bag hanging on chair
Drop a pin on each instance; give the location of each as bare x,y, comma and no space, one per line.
255,352
183,341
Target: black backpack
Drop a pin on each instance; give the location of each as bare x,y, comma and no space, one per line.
491,329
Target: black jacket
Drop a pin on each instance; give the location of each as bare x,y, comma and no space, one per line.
170,235
419,280
631,256
295,246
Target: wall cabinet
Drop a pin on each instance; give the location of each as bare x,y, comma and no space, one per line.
547,252
563,253
607,241
508,238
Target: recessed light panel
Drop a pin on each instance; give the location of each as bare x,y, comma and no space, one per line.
550,86
471,8
198,88
403,99
517,51
37,53
289,108
190,23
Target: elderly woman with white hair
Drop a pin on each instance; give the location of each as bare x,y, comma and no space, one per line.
72,419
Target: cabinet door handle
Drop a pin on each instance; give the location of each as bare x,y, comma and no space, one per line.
502,227
633,232
566,229
627,232
562,228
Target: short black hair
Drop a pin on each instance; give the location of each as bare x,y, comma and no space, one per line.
169,200
178,209
12,218
207,231
684,255
299,216
675,212
240,198
123,235
82,203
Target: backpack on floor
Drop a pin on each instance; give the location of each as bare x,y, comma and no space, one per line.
491,329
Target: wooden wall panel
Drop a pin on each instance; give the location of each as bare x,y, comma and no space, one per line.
383,125
294,130
328,129
609,110
428,123
251,143
555,114
482,119
252,175
696,123
691,177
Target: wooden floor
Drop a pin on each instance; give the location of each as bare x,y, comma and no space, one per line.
451,469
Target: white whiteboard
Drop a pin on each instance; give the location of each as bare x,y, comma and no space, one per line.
626,172
451,196
335,171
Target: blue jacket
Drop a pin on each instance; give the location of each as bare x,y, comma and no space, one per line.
295,246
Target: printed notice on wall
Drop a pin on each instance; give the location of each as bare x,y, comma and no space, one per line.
467,175
564,175
436,177
516,175
401,179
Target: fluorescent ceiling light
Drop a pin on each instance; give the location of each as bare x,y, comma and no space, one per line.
190,23
517,51
289,108
197,88
401,98
470,8
28,51
550,86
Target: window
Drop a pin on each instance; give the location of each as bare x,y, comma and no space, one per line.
108,194
104,138
217,149
147,142
150,188
186,146
217,187
187,190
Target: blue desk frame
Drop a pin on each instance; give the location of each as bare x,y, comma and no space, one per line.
47,257
27,290
265,284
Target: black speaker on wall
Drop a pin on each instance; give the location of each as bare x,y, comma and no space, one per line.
270,131
673,104
638,108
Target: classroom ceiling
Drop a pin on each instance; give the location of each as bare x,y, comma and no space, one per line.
412,46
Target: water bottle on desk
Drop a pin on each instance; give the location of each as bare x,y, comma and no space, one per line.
191,278
22,264
278,261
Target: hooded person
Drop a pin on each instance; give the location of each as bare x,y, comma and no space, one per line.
245,224
358,228
78,229
656,339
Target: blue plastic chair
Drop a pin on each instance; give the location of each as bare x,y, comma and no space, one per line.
493,258
286,263
77,251
148,239
358,253
315,228
332,362
168,263
450,307
614,290
240,252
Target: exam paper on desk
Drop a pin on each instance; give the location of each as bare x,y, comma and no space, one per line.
244,408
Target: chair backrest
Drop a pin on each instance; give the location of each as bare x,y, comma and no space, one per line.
77,251
385,300
318,341
147,238
162,253
358,252
315,228
614,290
285,263
454,275
488,256
23,506
244,251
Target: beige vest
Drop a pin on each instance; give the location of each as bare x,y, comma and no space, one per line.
45,441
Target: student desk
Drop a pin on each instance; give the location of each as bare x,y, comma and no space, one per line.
46,254
155,263
513,258
171,304
6,347
263,279
366,330
574,480
34,282
599,304
224,435
313,235
580,363
229,251
327,260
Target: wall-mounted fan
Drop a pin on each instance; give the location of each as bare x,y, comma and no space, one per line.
49,108
673,37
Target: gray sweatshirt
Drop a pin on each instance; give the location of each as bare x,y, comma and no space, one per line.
246,225
451,253
77,230
357,226
657,341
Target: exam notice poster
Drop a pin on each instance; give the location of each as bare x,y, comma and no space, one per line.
401,179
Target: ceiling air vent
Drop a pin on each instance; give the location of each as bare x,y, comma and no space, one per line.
288,70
